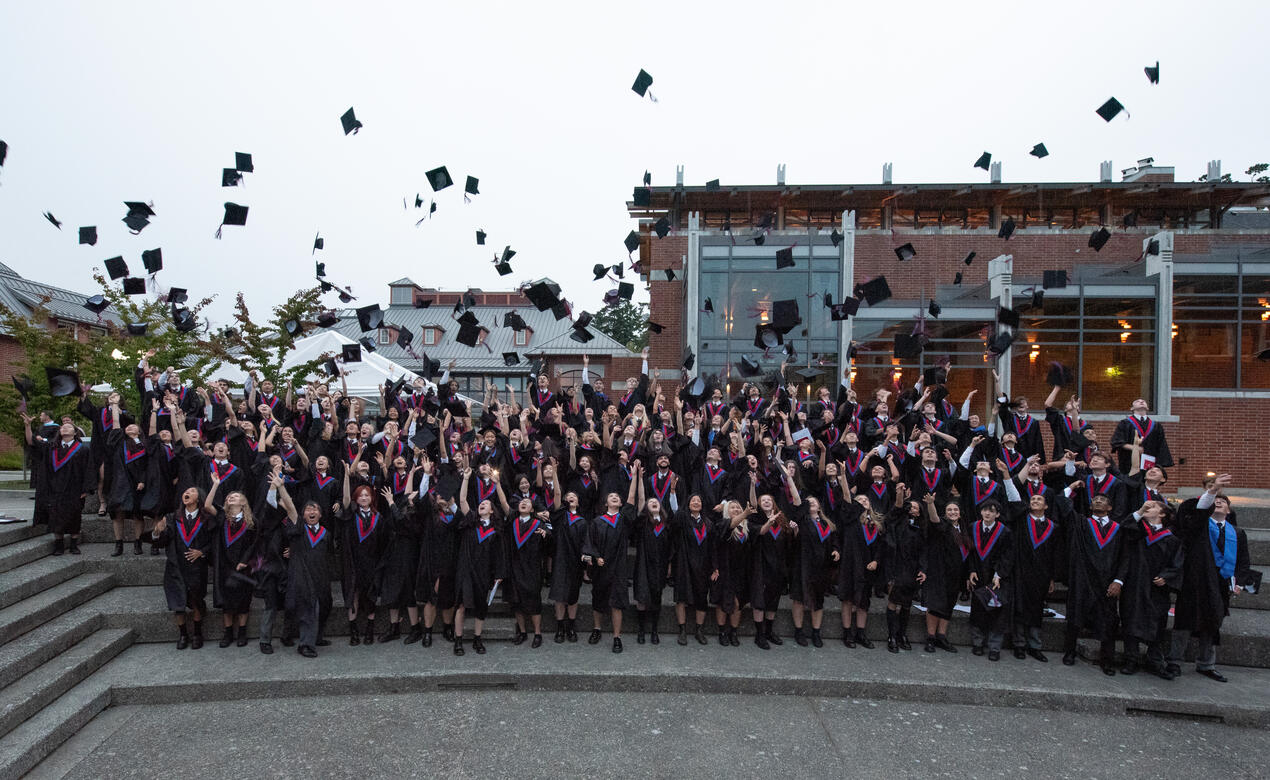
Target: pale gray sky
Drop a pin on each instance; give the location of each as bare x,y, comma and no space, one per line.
107,102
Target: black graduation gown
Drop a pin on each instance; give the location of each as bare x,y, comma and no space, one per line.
947,564
710,483
185,583
1025,427
974,493
232,478
400,558
771,564
482,559
608,537
569,530
526,549
1063,431
64,476
881,496
232,547
1204,598
1153,442
1037,548
439,557
1144,606
365,540
162,474
1115,488
922,483
654,548
904,556
103,422
130,465
731,558
691,552
327,490
992,553
309,573
816,541
1093,560
269,566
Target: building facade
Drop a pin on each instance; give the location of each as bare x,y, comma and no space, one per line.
1174,308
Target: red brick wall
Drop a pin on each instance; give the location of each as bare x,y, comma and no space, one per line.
666,350
1217,434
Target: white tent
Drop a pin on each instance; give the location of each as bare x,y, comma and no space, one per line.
364,379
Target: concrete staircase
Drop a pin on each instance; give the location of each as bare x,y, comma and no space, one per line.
63,618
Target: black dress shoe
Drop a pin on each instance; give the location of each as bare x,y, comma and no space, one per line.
848,637
416,633
941,641
183,642
1109,670
930,644
1020,653
903,640
1213,674
427,638
59,547
816,639
307,651
732,638
701,636
617,644
1069,659
519,638
994,655
447,632
683,636
136,547
864,641
72,547
653,636
977,650
228,639
458,647
478,645
594,638
266,648
242,637
892,646
1038,655
800,638
560,633
537,642
118,549
196,641
1129,668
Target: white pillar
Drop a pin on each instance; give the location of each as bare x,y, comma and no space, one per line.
1161,266
846,285
1001,290
692,291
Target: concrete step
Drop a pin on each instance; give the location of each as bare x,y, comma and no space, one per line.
29,613
1258,545
31,693
36,577
41,644
12,533
128,569
24,551
41,734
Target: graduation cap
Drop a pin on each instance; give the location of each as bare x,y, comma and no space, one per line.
138,215
785,315
514,321
543,294
423,303
654,327
230,177
828,300
662,227
425,436
4,151
934,376
610,298
319,243
439,178
642,82
24,385
619,270
351,353
49,216
62,382
785,258
429,368
581,335
1109,109
418,202
1038,297
1059,375
480,238
504,269
1054,279
88,235
242,162
468,318
1007,317
1153,72
152,259
642,197
326,319
1039,151
708,306
1130,219
970,258
350,123
293,328
367,345
511,359
468,334
1007,229
758,239
1099,238
136,329
469,188
625,290
1153,247
835,237
905,252
999,343
957,278
116,267
370,317
766,336
907,347
234,215
749,367
689,361
984,161
600,270
178,295
875,290
697,389
712,185
934,308
631,242
134,285
670,274
183,319
841,311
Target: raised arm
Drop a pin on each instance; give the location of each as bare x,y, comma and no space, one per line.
208,503
636,490
467,474
288,506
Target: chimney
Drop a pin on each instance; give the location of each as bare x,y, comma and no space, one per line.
886,173
1104,170
780,174
1147,171
679,176
994,172
1214,170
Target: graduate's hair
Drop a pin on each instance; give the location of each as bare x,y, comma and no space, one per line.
357,492
309,503
829,520
991,503
201,499
247,516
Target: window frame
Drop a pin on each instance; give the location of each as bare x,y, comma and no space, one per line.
1242,272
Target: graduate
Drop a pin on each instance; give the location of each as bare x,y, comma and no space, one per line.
731,560
309,575
604,552
365,539
861,549
1038,531
438,556
188,536
947,547
773,555
1139,441
528,544
569,529
102,422
991,574
1092,585
234,530
127,496
654,548
269,566
1151,567
692,566
399,571
66,476
905,567
482,564
817,552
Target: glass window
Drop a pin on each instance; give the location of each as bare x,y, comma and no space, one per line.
521,338
1220,323
430,336
1113,376
1254,373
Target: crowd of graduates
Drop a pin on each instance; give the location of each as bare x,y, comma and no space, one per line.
652,494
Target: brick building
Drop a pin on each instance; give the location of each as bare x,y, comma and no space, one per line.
1174,308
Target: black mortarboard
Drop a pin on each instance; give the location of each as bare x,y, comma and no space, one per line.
405,337
758,239
350,123
907,347
1007,317
134,285
242,162
230,177
543,294
1109,109
712,185
1153,73
642,82
425,436
957,278
583,320
1039,151
418,202
835,237
1078,443
670,274
138,215
152,259
178,295
326,319
136,329
934,308
984,161
88,235
234,215
934,376
116,267
841,311
749,367
23,385
970,258
1007,229
828,300
1153,247
1054,279
785,315
514,321
480,238
1059,375
504,269
319,243
581,335
62,382
1099,238
468,334
468,318
1130,219
642,197
1038,297
662,227
429,368
369,317
184,319
439,178
619,270
293,328
632,241
49,216
654,327
785,258
689,361
96,304
625,290
999,343
367,345
600,270
351,353
4,151
470,186
508,254
808,373
511,358
561,310
766,336
905,252
875,290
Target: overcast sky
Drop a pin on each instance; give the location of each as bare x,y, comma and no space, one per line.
107,102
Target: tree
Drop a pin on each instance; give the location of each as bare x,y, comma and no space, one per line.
262,347
1257,172
627,323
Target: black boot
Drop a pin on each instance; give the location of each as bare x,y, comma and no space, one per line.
519,637
560,626
862,638
683,634
700,634
242,636
183,641
154,549
902,629
941,641
654,615
478,645
228,638
458,644
427,638
118,549
571,630
892,622
447,633
723,636
72,546
800,638
368,638
816,640
641,621
196,639
772,638
58,547
930,643
848,637
136,547
416,633
732,639
354,636
760,635
393,632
